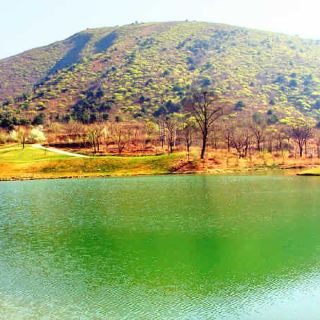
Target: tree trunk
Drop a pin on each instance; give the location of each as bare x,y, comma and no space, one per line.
301,150
305,149
204,145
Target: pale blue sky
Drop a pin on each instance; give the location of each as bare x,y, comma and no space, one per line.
25,24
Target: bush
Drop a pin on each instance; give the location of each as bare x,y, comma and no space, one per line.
239,106
39,119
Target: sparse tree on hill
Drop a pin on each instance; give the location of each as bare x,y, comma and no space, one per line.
301,133
317,141
228,128
188,128
258,128
282,138
171,124
121,136
95,134
206,108
241,140
150,129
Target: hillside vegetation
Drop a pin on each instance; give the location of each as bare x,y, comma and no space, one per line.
19,74
138,70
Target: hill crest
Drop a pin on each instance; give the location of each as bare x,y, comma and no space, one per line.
133,70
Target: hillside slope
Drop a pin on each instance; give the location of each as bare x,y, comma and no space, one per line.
20,73
133,71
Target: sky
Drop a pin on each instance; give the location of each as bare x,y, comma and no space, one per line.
26,24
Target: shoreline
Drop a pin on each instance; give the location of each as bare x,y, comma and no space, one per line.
17,164
247,172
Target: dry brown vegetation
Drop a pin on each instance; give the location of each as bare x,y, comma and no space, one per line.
232,144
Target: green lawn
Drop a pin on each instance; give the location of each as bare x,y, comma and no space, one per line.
16,154
32,163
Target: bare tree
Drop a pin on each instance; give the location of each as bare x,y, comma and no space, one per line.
162,135
95,134
149,129
76,132
188,128
228,128
121,136
241,141
171,124
258,129
282,138
317,141
301,133
206,108
215,136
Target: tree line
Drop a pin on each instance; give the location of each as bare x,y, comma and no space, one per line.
205,120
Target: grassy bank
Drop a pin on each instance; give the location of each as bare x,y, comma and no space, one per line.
311,172
30,163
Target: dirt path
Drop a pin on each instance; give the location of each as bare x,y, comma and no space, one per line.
70,154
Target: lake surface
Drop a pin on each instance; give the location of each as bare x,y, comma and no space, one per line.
169,247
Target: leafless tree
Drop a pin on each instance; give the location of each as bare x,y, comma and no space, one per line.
317,141
171,124
206,108
227,128
258,129
215,135
121,136
162,130
301,133
149,129
95,134
241,141
282,138
188,128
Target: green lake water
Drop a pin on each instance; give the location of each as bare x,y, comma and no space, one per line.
169,247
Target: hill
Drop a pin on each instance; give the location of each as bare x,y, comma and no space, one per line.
20,73
135,71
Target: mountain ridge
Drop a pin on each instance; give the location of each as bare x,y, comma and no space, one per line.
133,70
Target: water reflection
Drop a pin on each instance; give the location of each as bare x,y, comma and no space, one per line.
160,247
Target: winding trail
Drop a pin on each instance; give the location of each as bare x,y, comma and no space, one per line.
70,154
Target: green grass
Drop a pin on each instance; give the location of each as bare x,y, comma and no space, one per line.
31,163
16,154
110,165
